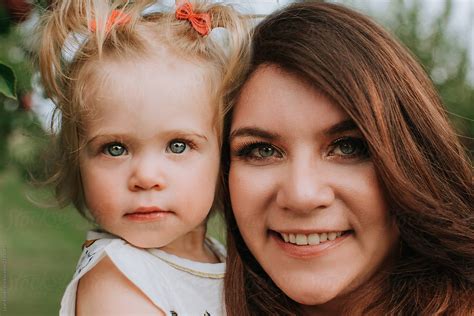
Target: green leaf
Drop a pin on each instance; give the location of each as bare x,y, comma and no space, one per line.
7,81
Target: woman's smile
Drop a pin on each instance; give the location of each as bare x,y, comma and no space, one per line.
308,245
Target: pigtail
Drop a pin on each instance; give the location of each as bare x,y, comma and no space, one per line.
234,51
57,22
66,37
237,52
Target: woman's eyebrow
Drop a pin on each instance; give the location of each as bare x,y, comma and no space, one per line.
252,132
343,126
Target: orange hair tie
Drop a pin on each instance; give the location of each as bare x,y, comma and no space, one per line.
201,22
117,17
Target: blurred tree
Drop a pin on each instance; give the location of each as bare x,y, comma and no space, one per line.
7,92
444,56
16,122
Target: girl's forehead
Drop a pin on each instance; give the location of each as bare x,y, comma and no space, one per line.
148,88
133,78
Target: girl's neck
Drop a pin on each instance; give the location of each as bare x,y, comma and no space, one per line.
192,246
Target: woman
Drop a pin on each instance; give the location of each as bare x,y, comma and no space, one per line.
350,192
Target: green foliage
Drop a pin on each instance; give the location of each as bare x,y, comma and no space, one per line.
4,20
39,247
444,56
15,120
7,81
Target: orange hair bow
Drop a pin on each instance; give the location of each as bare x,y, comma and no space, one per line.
201,22
116,17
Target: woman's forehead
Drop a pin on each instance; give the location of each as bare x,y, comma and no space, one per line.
276,100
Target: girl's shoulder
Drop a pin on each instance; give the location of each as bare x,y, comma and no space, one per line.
170,283
105,290
94,250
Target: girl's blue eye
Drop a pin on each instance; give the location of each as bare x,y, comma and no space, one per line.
177,147
115,149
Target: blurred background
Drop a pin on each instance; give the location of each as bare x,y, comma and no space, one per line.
39,245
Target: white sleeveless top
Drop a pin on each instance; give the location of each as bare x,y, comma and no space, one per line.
179,287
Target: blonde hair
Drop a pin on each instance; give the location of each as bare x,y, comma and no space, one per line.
70,83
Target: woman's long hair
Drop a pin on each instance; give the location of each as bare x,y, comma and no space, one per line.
425,173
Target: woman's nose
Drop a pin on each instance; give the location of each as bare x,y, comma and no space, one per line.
304,187
148,172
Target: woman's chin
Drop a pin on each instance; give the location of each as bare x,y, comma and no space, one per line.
311,296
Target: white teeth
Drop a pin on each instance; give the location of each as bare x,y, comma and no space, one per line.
323,237
310,239
292,238
332,236
313,239
301,239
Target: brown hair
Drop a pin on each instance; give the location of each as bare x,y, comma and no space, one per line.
425,173
71,83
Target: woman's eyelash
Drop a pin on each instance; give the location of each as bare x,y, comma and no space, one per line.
247,150
349,147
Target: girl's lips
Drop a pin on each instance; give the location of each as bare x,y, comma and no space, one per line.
143,214
307,251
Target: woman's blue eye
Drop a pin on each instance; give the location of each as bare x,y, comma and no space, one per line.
266,151
258,151
350,147
114,149
177,147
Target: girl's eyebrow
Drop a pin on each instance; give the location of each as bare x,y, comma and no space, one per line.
106,136
253,132
177,133
343,126
185,133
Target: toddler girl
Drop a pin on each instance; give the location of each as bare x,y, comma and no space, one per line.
140,89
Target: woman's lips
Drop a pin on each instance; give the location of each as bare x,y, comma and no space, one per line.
143,214
308,250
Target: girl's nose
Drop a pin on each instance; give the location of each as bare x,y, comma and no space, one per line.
304,187
148,173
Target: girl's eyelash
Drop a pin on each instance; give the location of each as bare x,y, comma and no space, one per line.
103,148
188,142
